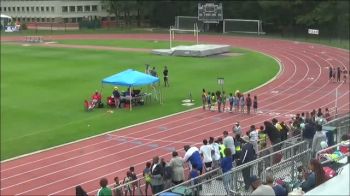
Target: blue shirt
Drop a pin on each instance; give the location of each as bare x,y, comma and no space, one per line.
280,190
196,160
226,164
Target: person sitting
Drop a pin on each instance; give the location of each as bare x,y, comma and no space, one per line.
315,178
88,105
96,99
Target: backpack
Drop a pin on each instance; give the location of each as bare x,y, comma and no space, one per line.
329,172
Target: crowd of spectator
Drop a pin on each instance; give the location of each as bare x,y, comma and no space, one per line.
232,149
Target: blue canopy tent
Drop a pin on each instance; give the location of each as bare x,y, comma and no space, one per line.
130,78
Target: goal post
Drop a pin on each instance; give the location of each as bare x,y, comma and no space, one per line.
173,30
187,22
242,26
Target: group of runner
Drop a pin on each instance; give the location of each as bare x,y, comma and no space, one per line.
335,74
233,102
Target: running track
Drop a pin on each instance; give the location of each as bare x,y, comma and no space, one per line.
302,85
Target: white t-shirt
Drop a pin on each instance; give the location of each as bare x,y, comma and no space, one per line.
216,155
205,150
189,153
254,136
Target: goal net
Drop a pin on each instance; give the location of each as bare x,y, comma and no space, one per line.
242,26
187,22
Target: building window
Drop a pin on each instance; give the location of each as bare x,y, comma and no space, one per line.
87,8
42,9
37,9
79,8
65,20
47,9
72,8
32,9
52,9
64,9
52,20
43,20
94,8
23,9
27,9
0,9
4,9
18,9
74,20
13,9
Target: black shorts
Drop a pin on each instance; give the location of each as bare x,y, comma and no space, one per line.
165,78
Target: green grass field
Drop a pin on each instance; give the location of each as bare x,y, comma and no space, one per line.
43,89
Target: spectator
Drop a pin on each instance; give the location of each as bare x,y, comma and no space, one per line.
79,191
320,120
238,146
327,115
127,182
277,124
206,151
309,132
259,188
284,131
273,134
192,155
255,104
316,141
166,76
147,175
216,153
118,191
167,174
116,96
153,72
315,178
133,178
247,154
226,166
104,190
237,130
177,165
229,143
221,147
254,137
278,189
156,174
248,103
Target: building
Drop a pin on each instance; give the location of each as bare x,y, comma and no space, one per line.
67,11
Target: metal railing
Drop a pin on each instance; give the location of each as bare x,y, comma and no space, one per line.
341,125
211,184
322,154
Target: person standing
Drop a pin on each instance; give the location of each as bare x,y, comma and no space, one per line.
204,98
229,143
255,104
334,73
242,103
116,96
166,76
338,74
177,164
206,151
156,174
147,175
317,139
237,130
254,137
219,100
248,103
223,100
273,134
153,72
104,190
345,73
226,167
118,191
216,153
330,73
236,103
209,101
230,100
247,154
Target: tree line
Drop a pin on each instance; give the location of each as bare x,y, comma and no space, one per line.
331,17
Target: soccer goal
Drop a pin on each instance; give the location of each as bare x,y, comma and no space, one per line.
173,30
187,22
242,26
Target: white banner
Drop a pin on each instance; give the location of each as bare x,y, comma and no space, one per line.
313,31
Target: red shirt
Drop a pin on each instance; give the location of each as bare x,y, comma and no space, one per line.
96,96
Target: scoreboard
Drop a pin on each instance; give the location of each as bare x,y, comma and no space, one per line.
210,12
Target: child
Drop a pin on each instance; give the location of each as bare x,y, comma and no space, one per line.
255,104
147,176
127,184
117,189
230,99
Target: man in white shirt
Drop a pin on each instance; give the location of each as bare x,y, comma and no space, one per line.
237,129
206,151
229,143
216,153
193,157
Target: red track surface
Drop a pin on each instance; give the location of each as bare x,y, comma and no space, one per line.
301,86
